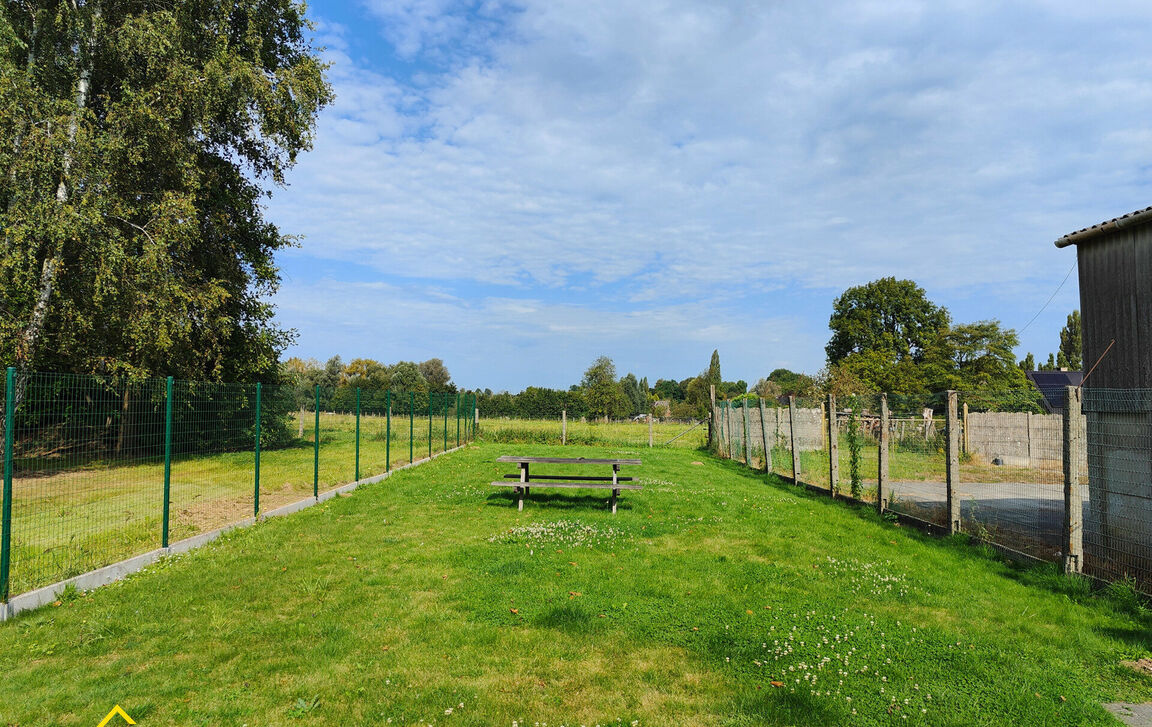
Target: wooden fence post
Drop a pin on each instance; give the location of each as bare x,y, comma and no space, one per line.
1074,436
712,416
792,439
833,447
952,452
882,458
764,440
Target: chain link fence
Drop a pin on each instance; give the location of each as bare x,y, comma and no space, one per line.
1062,475
100,469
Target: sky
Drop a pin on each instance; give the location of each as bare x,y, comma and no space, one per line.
520,187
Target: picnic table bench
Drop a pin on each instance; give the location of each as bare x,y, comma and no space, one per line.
523,481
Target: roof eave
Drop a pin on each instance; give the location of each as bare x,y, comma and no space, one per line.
1091,233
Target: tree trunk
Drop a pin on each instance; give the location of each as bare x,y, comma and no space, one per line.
52,263
125,420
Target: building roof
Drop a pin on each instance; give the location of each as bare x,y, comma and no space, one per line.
1053,386
1139,217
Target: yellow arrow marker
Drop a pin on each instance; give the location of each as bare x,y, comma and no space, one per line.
116,711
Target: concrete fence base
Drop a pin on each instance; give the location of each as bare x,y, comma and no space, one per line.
117,571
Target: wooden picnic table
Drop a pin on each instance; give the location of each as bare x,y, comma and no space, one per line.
524,480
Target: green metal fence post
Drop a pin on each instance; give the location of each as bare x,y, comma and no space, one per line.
316,449
430,398
411,425
6,525
388,431
444,402
357,435
256,491
458,419
167,463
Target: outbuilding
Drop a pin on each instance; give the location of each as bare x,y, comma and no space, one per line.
1115,267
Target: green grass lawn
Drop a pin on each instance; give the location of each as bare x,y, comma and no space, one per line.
69,521
714,597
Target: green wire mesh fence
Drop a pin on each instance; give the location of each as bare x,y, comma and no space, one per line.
99,469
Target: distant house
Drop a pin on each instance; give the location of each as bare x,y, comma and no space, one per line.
1115,264
1053,387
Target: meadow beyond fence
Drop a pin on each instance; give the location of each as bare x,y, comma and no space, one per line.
1073,487
98,469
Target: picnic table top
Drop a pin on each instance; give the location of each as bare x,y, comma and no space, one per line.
564,460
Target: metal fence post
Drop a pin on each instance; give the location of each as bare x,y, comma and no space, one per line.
882,456
764,439
952,451
792,439
444,404
6,516
167,463
649,430
563,427
833,447
458,419
316,449
256,469
411,426
357,478
388,431
430,424
1074,436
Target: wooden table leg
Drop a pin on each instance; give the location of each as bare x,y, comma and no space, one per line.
523,489
615,491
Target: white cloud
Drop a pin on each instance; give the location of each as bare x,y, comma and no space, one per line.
718,154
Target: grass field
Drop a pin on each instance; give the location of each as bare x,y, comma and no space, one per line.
595,433
715,596
71,521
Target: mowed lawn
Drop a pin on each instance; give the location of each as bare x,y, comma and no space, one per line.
715,596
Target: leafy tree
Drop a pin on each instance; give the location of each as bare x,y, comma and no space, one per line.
1051,365
602,392
140,138
887,316
436,374
669,390
1070,356
637,393
406,376
712,378
791,383
1029,363
977,357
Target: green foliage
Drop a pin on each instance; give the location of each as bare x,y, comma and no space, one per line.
855,447
712,378
140,141
1029,363
1070,355
602,392
889,316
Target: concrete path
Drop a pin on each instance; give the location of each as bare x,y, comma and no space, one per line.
1033,510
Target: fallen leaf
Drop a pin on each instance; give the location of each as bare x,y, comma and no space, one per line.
601,616
749,612
514,610
57,603
575,593
695,629
777,684
571,562
386,648
1063,698
1038,695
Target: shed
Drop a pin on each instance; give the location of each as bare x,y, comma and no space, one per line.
1114,259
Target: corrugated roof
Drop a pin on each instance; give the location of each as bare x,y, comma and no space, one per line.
1132,218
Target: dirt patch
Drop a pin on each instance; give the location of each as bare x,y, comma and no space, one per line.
1143,666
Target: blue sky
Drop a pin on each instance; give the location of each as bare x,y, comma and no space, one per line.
518,188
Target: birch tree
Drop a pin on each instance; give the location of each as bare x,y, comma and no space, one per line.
144,135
